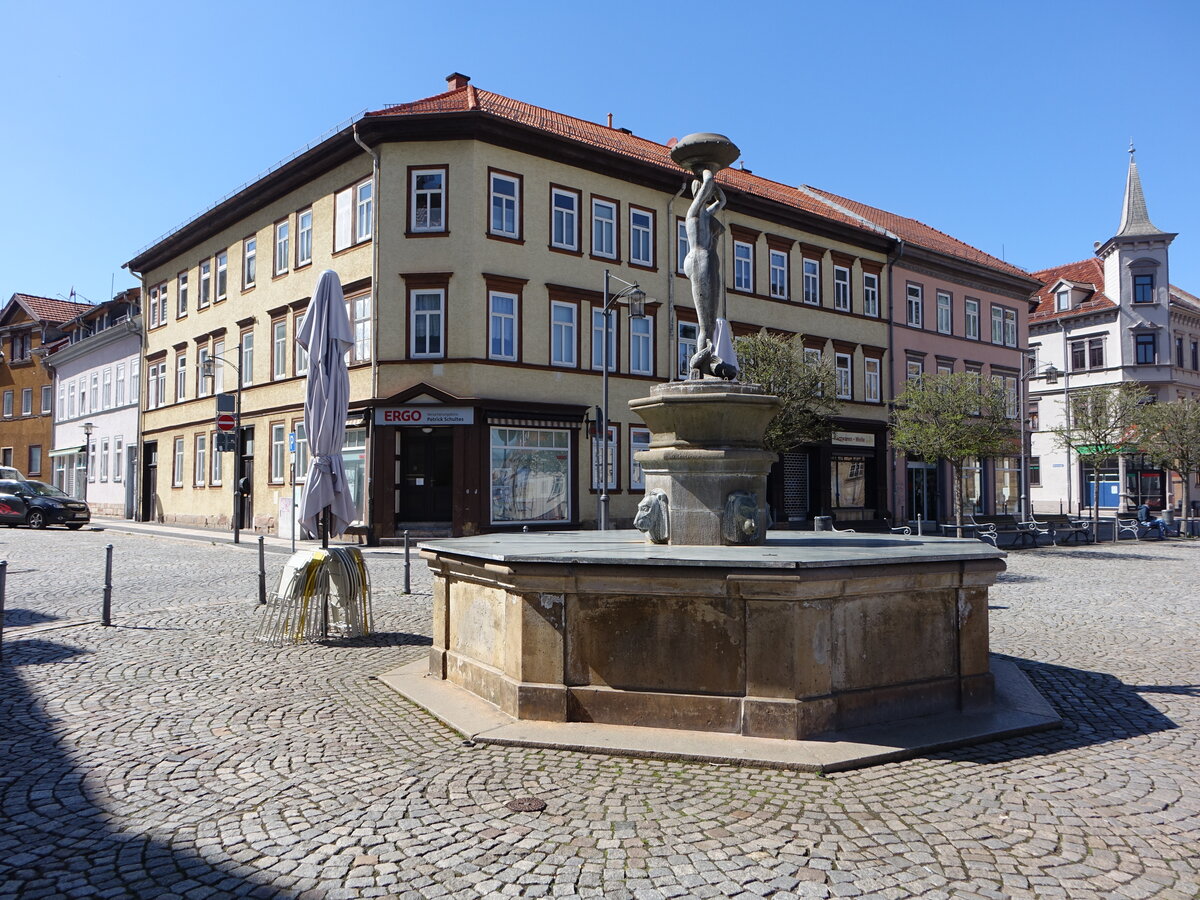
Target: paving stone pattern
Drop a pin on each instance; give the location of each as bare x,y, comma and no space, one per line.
171,756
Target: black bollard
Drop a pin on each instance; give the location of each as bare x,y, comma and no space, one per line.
3,579
262,572
106,610
407,583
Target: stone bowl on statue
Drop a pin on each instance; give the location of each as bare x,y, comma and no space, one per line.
705,150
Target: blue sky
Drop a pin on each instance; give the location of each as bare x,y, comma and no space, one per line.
1005,125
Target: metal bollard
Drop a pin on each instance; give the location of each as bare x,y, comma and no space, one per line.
407,582
3,579
262,572
106,609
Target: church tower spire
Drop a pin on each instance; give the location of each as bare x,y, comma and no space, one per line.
1135,220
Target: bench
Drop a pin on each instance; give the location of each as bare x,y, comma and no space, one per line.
1069,527
990,528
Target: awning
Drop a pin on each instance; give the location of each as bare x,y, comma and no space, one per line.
66,451
1085,450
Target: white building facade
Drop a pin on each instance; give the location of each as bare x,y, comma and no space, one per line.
1106,320
96,385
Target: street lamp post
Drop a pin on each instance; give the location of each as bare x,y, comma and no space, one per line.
208,370
1051,378
88,428
636,298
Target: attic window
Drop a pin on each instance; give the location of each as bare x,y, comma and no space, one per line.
1062,300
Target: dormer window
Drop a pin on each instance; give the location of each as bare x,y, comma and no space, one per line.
1062,300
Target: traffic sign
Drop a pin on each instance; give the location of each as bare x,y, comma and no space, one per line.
225,422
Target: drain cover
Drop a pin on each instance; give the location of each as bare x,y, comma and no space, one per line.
526,804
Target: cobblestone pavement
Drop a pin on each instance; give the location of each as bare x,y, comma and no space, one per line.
171,756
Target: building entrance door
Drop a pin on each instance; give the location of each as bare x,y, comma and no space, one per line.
922,491
424,475
149,482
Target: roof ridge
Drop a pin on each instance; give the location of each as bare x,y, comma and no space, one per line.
1090,259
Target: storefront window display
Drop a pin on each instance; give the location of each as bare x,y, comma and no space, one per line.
972,486
354,457
1008,485
530,475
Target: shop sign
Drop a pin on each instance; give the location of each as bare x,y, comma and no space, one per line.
853,439
425,415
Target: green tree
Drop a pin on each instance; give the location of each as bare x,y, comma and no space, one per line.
1169,433
1102,419
805,387
954,416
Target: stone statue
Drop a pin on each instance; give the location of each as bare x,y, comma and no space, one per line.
741,523
653,517
705,155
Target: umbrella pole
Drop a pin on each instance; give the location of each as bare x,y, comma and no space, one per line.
325,528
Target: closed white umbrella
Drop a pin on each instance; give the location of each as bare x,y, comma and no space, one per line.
325,333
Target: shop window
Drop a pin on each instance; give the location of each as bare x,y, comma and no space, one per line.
530,475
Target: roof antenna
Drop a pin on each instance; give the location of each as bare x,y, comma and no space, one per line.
610,120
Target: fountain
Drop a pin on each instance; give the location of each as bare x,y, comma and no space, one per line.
701,634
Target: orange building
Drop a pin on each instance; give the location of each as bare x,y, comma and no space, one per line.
27,325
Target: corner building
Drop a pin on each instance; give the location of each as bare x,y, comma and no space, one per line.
472,234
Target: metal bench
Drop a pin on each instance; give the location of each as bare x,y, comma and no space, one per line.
1069,527
990,528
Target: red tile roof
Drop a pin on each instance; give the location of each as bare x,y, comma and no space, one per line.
916,232
47,309
1087,271
1190,302
614,140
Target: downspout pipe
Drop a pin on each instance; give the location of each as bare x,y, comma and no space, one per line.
891,370
672,268
375,238
141,444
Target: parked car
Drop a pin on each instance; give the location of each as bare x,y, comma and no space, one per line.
37,504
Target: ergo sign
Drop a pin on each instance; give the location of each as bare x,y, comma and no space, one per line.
425,415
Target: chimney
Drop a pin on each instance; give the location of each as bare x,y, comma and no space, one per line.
456,81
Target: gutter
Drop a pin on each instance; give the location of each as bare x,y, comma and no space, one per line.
138,505
375,239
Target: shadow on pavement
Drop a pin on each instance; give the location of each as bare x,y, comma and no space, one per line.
1095,708
57,840
17,618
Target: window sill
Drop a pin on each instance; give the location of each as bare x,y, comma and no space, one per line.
427,234
564,250
613,260
507,239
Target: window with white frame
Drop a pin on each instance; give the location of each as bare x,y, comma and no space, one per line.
686,335
180,378
181,294
812,355
871,372
118,464
1010,327
364,210
247,354
104,458
200,460
106,388
428,198
598,331
604,459
641,356
47,399
283,237
639,440
153,309
202,383
945,367
743,266
299,354
564,219
278,451
427,326
205,297
971,318
681,244
92,450
944,313
120,386
844,376
358,310
604,229
177,463
916,300
214,477
8,404
27,401
304,237
641,237
812,282
779,274
997,324
279,349
505,192
841,288
61,413
913,369
94,379
563,334
870,294
249,262
222,288
1062,300
301,451
135,376
161,381
502,325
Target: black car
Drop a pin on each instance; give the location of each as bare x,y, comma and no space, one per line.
37,504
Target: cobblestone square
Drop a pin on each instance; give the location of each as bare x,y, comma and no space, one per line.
172,756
